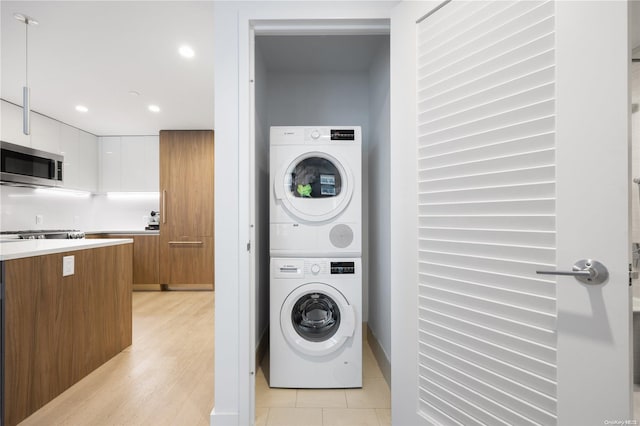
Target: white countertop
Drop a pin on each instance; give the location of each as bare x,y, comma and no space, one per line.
17,249
125,232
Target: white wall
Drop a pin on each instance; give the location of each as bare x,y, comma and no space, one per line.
19,207
126,214
378,159
227,223
263,189
403,246
321,99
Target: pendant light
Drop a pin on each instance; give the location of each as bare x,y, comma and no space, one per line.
26,92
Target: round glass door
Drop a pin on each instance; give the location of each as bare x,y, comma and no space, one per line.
316,319
314,187
315,177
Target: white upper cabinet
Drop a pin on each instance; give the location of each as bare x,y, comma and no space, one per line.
129,164
140,163
69,150
88,167
45,133
79,148
80,152
11,125
110,164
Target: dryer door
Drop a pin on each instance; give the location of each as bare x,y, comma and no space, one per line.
316,319
314,187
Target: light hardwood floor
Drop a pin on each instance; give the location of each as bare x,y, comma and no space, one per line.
164,378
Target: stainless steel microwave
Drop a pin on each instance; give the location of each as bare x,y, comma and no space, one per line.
23,165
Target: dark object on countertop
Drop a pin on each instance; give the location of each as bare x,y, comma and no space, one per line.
152,227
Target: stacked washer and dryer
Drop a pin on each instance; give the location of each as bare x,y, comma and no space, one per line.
316,248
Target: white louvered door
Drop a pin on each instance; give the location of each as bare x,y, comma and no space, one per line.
513,127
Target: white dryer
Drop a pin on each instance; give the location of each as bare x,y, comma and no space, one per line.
316,323
316,199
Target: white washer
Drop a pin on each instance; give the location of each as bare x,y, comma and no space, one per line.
316,323
316,198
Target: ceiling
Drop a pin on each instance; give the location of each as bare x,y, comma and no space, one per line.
95,53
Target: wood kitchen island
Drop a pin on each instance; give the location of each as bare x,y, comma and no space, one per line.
60,321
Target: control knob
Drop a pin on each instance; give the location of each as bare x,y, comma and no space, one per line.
315,134
315,268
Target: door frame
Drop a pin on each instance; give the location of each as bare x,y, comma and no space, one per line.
235,396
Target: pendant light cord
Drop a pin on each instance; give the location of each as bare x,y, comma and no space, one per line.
26,52
26,103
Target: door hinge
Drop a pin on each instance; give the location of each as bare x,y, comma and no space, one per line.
633,275
249,246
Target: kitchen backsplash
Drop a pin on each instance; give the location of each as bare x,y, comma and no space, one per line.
21,208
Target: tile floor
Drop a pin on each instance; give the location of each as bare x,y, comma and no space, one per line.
369,406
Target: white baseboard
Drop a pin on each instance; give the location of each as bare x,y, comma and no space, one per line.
380,355
261,347
223,419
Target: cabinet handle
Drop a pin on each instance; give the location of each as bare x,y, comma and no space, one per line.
186,242
164,206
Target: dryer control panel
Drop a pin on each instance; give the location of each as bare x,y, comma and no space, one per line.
347,135
343,135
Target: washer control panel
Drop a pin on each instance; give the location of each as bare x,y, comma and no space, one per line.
343,268
297,268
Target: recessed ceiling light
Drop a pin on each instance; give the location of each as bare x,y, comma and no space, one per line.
81,108
186,51
134,93
154,108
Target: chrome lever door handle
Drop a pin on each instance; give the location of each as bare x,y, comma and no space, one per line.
587,271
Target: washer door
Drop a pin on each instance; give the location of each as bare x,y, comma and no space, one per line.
316,319
315,187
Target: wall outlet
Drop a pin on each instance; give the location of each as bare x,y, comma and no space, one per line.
39,219
68,265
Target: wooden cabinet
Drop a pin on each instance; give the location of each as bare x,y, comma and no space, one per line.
187,199
145,257
58,329
190,260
